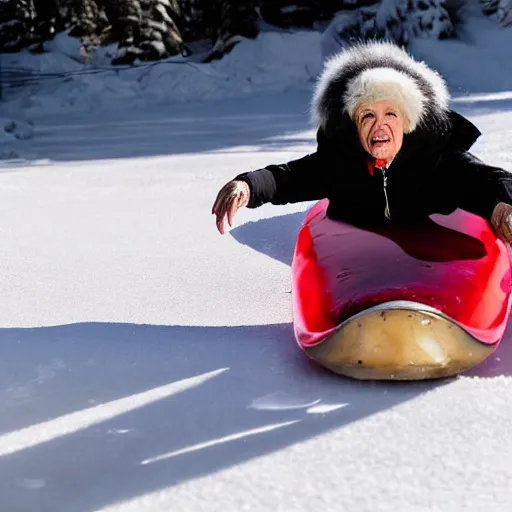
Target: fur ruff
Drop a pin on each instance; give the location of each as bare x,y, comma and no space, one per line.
375,71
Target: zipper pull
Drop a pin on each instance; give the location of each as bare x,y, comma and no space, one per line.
387,212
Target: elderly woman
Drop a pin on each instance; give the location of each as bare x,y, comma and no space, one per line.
389,149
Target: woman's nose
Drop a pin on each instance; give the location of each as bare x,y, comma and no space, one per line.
380,119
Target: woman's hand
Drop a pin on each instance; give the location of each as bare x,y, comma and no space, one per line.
231,197
501,221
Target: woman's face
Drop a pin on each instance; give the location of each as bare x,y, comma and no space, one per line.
380,126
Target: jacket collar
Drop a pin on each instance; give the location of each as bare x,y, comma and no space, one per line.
461,133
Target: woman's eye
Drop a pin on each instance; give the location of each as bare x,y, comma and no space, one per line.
368,115
391,114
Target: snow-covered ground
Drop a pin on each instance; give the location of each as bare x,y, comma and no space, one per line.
59,81
148,363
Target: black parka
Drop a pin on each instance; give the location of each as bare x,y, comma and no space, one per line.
432,173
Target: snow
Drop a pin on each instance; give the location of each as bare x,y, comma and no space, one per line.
148,363
478,62
60,82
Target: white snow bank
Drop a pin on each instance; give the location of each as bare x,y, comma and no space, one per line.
271,63
60,81
480,61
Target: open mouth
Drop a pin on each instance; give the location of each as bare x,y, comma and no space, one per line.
380,141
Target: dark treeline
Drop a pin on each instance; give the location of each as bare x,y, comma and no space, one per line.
155,29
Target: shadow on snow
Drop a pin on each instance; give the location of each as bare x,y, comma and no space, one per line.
264,396
114,411
269,123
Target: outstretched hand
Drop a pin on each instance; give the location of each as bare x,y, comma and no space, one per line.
231,197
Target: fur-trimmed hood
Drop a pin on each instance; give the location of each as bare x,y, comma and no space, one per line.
380,70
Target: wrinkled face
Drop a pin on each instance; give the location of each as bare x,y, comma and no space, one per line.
380,126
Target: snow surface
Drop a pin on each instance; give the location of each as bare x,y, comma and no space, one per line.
59,81
148,363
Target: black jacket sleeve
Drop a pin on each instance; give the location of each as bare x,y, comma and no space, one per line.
305,179
476,186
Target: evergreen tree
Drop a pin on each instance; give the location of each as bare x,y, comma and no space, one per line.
430,18
302,13
125,17
195,16
501,9
397,21
18,24
504,12
160,35
88,21
11,28
387,20
489,7
45,23
155,29
233,20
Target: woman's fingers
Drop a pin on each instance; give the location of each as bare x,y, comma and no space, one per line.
224,208
220,224
221,197
221,213
220,206
233,208
502,221
230,199
507,228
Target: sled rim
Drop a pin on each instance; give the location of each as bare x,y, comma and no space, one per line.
400,340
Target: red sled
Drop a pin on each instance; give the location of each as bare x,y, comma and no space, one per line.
426,300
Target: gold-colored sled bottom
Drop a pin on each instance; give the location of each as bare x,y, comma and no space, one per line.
399,341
